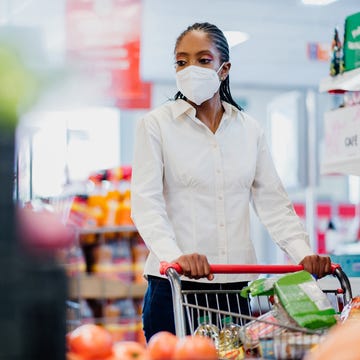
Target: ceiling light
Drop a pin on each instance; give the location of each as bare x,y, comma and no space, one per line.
235,37
318,2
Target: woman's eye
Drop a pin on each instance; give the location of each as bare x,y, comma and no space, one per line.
180,63
205,61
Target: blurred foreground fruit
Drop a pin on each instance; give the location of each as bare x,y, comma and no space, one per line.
91,342
129,350
73,356
43,231
162,345
342,342
195,348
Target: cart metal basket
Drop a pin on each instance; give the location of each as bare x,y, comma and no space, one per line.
263,331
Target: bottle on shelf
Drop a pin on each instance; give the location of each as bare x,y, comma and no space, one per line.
207,329
336,64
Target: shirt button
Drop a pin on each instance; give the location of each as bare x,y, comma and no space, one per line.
221,224
220,197
215,146
218,171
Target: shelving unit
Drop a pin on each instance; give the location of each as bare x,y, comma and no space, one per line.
108,229
342,128
342,139
109,298
97,287
347,81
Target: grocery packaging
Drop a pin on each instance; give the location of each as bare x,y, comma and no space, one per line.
258,331
230,345
351,311
259,287
304,301
206,329
352,42
292,345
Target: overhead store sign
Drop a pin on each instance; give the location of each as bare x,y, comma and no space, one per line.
104,36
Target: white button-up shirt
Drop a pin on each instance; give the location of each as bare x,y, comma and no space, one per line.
191,189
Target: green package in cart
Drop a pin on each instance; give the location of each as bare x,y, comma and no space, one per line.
304,301
259,287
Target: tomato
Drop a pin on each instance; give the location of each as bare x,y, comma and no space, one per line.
129,350
162,345
90,341
73,356
195,348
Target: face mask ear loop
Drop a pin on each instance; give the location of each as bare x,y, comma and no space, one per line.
221,78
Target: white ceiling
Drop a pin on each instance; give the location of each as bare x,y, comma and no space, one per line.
275,54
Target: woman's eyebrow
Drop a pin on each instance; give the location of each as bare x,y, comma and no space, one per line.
201,52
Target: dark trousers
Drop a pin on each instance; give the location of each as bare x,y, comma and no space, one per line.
157,314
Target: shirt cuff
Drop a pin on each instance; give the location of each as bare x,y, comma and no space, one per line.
297,249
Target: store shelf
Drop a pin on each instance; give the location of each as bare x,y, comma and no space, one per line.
347,81
96,287
107,229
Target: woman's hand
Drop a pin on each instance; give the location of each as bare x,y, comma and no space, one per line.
195,266
317,265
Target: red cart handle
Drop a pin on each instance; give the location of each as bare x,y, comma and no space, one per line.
242,269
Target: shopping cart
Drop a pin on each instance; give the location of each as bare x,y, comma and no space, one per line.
262,334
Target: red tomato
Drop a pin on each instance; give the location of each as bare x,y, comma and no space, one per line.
162,345
73,356
129,350
195,348
90,341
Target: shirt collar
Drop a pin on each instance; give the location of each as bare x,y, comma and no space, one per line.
181,106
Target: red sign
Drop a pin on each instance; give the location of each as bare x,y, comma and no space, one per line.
104,35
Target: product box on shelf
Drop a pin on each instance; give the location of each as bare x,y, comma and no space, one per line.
352,42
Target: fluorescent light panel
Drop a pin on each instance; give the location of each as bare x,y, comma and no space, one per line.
235,37
318,2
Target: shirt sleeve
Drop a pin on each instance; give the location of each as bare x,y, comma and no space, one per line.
274,208
148,209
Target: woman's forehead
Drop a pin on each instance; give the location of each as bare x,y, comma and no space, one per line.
195,41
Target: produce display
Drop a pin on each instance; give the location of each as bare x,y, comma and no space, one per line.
93,342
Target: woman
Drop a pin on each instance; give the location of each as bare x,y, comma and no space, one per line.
198,162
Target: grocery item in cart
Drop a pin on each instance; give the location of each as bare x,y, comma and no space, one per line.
230,344
304,301
264,327
260,287
206,329
294,345
351,311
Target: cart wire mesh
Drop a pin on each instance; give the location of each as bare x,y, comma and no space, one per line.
264,330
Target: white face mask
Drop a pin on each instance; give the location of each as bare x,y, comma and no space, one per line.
198,84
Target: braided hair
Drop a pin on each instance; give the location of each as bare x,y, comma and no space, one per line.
221,44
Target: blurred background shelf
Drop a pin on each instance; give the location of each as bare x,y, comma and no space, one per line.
107,229
96,287
347,81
